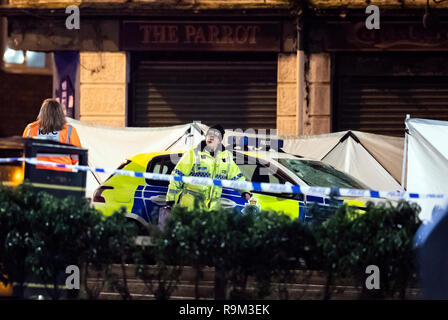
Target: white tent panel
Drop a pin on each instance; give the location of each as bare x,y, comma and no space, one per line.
109,147
427,161
387,150
313,147
427,166
376,160
351,157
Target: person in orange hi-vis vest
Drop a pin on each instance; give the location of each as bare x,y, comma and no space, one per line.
51,125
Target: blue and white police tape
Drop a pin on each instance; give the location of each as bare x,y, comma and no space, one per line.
242,185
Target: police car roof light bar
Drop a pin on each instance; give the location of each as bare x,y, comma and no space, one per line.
260,143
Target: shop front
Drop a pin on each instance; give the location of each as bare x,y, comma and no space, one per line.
220,71
380,76
142,69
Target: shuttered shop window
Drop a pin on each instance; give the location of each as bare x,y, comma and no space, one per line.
236,94
376,91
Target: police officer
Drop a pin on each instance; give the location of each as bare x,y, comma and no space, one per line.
209,160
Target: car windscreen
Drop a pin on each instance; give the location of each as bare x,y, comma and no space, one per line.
315,173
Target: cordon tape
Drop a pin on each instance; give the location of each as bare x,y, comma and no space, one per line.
240,185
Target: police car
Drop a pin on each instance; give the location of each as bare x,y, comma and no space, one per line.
142,197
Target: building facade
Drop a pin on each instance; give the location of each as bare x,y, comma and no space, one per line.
22,89
301,67
378,76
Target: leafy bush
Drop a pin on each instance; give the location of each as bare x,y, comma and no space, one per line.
62,234
160,278
112,241
382,236
269,246
15,235
281,246
262,245
41,235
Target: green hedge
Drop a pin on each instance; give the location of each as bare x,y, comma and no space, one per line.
40,235
268,246
351,240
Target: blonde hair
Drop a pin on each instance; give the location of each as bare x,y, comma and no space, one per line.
51,117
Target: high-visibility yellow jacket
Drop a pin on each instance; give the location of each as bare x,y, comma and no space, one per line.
198,162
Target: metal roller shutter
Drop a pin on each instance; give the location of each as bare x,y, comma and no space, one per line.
377,96
237,94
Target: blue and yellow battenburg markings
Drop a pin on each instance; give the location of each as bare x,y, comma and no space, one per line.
144,207
235,196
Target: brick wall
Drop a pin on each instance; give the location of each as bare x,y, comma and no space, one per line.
21,96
